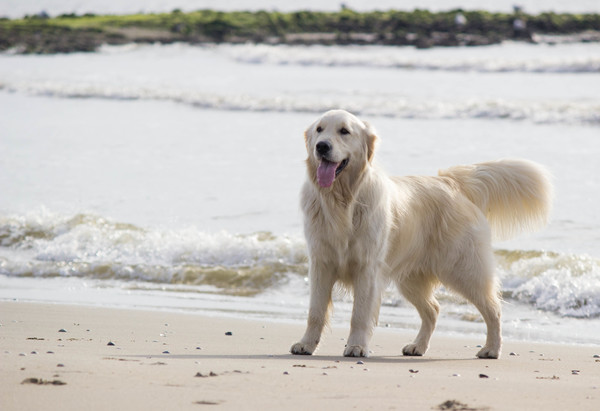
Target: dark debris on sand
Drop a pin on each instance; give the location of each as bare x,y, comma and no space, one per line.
40,381
454,405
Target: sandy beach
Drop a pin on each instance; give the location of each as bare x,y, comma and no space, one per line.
70,357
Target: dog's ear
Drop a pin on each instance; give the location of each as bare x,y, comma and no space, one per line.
306,138
371,140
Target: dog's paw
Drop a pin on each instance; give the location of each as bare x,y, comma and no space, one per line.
302,349
356,351
413,350
486,352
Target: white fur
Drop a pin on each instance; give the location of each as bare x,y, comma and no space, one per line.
368,229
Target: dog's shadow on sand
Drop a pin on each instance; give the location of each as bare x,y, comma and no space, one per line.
399,359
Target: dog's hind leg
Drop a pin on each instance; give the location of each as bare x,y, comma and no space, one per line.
474,279
321,287
487,301
418,290
490,308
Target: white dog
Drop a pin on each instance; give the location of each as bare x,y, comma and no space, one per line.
365,229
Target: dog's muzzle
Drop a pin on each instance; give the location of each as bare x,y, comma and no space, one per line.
327,170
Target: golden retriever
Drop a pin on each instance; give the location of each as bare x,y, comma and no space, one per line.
365,229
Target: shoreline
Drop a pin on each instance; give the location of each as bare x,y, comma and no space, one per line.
117,358
42,34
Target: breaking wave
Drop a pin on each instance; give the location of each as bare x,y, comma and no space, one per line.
565,284
44,244
89,246
547,112
386,57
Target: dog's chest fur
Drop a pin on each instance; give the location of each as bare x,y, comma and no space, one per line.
333,228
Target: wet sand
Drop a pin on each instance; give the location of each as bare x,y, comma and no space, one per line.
69,357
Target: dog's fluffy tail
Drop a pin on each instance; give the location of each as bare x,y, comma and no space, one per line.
515,195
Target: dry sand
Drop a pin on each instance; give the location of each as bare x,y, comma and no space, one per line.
175,361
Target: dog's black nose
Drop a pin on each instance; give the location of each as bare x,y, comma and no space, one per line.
323,147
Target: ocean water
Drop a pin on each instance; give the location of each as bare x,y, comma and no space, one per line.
167,177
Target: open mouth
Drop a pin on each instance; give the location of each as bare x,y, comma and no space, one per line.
328,171
341,167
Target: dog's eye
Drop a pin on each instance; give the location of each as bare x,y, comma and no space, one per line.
319,129
344,131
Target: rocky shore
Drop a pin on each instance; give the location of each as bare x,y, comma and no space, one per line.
71,33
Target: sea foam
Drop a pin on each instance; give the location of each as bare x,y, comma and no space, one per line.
44,244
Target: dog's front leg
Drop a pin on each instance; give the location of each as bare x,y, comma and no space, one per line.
365,312
321,287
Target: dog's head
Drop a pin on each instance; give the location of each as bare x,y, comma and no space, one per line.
338,144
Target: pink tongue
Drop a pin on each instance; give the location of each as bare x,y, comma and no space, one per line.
326,173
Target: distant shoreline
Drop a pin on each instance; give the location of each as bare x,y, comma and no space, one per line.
41,34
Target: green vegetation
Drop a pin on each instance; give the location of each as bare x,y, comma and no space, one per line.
420,27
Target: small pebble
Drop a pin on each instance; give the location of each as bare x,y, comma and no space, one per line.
166,352
456,375
60,365
22,354
110,343
62,330
596,356
34,352
49,352
198,348
413,371
228,333
286,373
575,372
483,376
360,362
512,353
